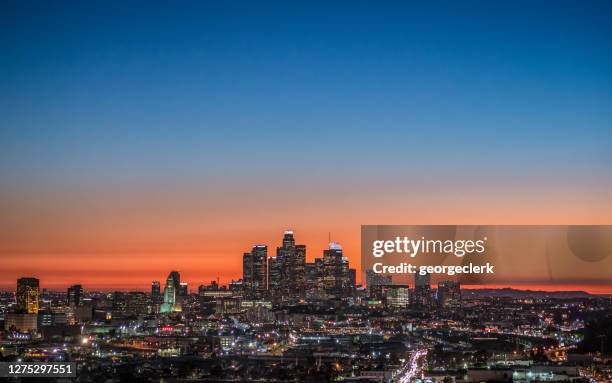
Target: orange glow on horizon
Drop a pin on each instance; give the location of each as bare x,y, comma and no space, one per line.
121,239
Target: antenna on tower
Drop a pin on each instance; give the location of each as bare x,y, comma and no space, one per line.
329,237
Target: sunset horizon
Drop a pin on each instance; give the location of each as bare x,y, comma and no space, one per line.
322,191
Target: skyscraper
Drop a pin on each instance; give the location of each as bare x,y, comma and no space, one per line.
183,290
74,295
422,290
170,291
292,263
353,277
312,277
336,275
255,272
156,292
275,275
28,292
176,279
449,294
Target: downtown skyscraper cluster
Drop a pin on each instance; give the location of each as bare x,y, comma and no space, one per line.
288,277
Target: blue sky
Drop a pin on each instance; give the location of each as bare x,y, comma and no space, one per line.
95,90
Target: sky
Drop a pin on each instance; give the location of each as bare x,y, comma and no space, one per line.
142,137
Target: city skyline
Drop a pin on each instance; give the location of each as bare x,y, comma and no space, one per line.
321,191
139,139
268,267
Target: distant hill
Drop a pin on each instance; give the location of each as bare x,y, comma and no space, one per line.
515,293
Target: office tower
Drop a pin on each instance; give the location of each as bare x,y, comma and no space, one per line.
119,301
422,290
183,290
170,291
353,277
27,295
373,279
156,292
422,280
275,275
449,294
292,259
176,280
136,303
311,277
319,272
336,277
74,295
255,272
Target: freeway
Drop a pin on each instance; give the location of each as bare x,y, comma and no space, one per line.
410,369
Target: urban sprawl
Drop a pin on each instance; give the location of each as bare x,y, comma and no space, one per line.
287,319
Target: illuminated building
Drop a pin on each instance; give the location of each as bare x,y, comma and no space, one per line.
291,260
119,302
312,276
375,279
353,277
45,318
74,295
156,292
396,296
422,290
336,278
183,290
21,321
175,276
170,291
136,303
275,275
449,294
255,272
27,295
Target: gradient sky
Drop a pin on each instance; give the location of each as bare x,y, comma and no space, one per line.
141,137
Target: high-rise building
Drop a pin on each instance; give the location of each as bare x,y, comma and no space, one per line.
422,280
27,295
183,290
156,292
255,272
136,303
312,276
353,277
336,279
449,294
375,279
74,295
275,275
119,301
291,261
170,292
176,279
422,290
